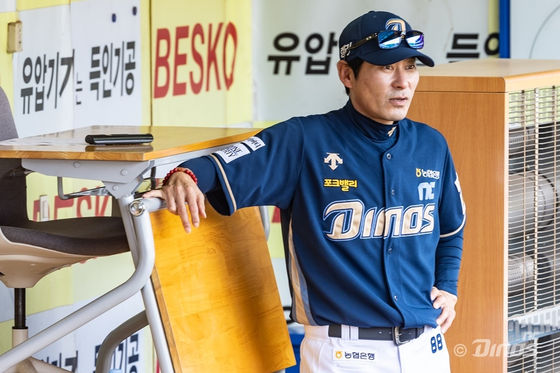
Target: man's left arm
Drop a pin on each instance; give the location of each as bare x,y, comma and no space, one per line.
444,292
449,250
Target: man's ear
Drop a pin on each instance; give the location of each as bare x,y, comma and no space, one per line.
345,73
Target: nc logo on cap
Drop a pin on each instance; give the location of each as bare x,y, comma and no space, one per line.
395,24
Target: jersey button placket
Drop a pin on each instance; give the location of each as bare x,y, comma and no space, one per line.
388,156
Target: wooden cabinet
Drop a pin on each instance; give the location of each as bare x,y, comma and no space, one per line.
500,118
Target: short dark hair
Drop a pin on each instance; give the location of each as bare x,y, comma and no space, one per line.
355,65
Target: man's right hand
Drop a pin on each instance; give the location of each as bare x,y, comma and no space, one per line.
181,191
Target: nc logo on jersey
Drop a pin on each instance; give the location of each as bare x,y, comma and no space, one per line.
333,160
426,191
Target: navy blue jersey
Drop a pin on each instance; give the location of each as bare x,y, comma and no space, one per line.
367,230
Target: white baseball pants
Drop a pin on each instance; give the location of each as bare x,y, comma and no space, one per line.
323,354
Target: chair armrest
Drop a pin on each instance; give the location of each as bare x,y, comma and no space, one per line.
15,173
100,191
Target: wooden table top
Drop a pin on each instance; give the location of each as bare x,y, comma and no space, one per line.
168,141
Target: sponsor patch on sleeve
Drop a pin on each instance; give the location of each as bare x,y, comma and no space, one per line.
232,152
254,143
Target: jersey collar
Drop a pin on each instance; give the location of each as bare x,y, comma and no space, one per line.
373,130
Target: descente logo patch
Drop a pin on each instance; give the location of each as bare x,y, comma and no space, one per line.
238,150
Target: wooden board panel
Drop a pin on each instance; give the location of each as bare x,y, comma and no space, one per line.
218,296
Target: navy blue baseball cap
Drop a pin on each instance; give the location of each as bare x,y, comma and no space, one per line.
361,39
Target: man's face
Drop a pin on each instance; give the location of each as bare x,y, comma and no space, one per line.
384,93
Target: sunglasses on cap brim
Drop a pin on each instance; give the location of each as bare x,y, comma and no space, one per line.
391,39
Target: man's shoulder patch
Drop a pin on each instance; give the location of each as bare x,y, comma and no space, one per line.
233,152
254,143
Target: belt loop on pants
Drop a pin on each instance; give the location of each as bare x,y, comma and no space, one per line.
396,334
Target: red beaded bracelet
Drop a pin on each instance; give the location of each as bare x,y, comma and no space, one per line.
180,169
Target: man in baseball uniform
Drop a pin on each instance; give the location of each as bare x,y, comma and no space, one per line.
371,208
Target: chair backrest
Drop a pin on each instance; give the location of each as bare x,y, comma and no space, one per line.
13,195
7,125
